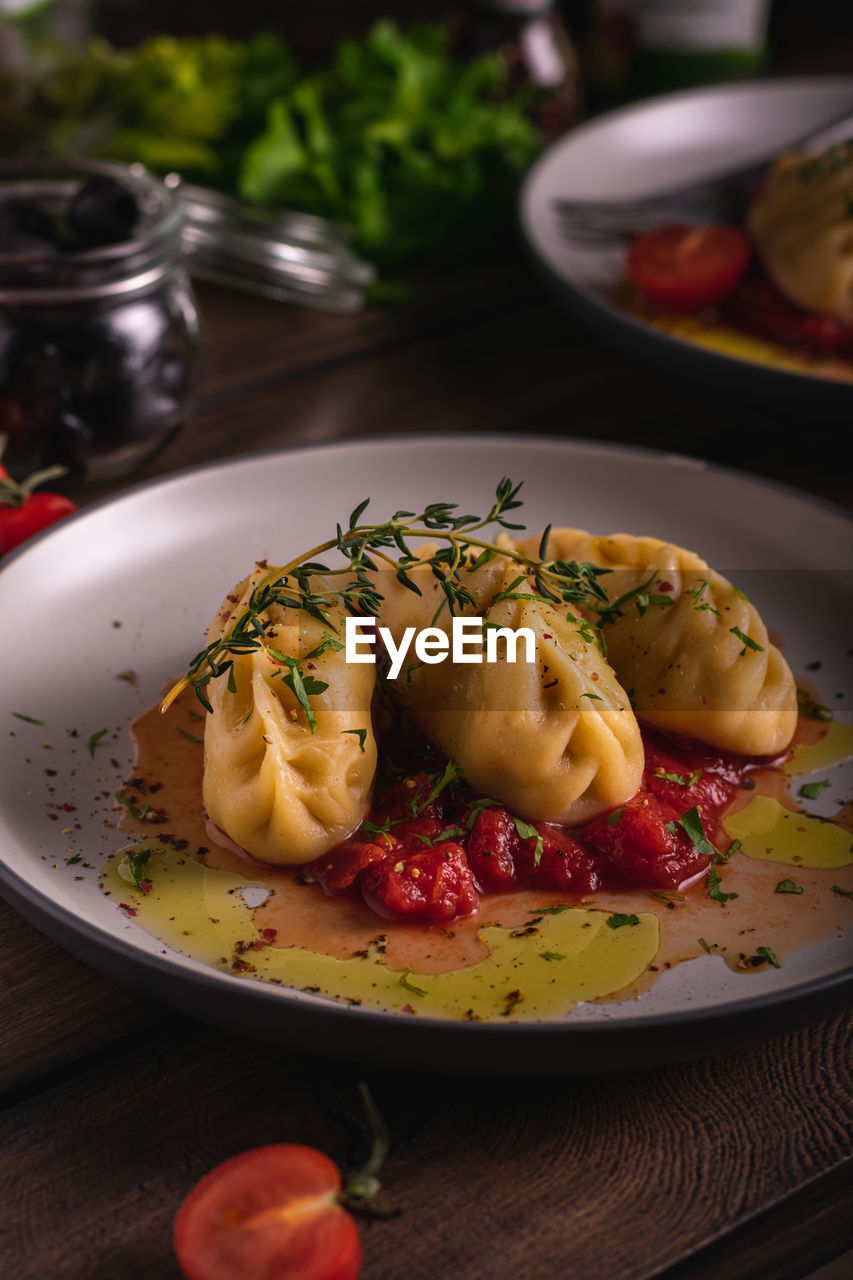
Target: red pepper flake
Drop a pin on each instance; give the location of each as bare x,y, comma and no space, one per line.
704,701
269,934
51,773
665,586
53,816
407,1008
145,886
127,909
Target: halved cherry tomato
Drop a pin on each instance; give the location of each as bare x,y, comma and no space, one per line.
272,1213
687,268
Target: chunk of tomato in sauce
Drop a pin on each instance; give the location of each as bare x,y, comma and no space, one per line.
640,849
492,846
337,871
436,885
563,863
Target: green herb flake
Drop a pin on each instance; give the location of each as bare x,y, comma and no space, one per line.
616,816
788,886
673,777
811,790
410,986
618,920
594,697
553,955
553,911
704,945
190,737
95,739
767,954
746,641
133,866
807,706
844,893
69,862
361,734
528,832
668,896
29,719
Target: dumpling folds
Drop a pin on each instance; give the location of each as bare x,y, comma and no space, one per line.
686,668
802,226
285,794
555,739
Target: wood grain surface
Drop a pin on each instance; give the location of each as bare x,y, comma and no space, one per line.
738,1166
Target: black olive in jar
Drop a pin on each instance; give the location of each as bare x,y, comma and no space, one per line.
98,345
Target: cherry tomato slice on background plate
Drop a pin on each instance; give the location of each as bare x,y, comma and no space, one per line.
687,268
272,1213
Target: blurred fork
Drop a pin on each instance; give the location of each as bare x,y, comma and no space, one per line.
718,198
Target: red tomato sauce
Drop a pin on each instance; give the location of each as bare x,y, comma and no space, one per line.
427,851
758,307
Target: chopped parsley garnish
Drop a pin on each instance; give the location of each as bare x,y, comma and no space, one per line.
361,734
844,893
747,641
593,696
190,737
69,862
678,777
691,823
553,911
668,896
807,706
29,719
410,986
135,864
705,607
811,790
788,886
528,832
618,920
452,773
704,945
767,954
553,955
615,816
139,814
95,739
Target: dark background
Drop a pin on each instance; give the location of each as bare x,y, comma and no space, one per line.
798,28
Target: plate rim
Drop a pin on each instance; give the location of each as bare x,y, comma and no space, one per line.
831,990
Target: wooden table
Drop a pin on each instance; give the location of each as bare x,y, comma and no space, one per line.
738,1166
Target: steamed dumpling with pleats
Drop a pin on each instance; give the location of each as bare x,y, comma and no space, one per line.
802,226
554,739
692,651
285,794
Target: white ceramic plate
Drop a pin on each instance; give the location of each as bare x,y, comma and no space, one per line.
650,147
157,559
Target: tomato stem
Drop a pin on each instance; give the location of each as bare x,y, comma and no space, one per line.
364,1185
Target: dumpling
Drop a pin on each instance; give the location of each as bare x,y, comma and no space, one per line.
701,665
285,794
554,739
802,227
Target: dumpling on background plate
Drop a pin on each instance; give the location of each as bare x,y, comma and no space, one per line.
555,739
689,647
802,225
285,793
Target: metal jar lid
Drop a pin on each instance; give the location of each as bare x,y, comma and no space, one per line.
279,254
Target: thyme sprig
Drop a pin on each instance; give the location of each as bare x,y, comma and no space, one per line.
308,585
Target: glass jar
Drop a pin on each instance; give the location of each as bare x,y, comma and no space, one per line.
98,347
